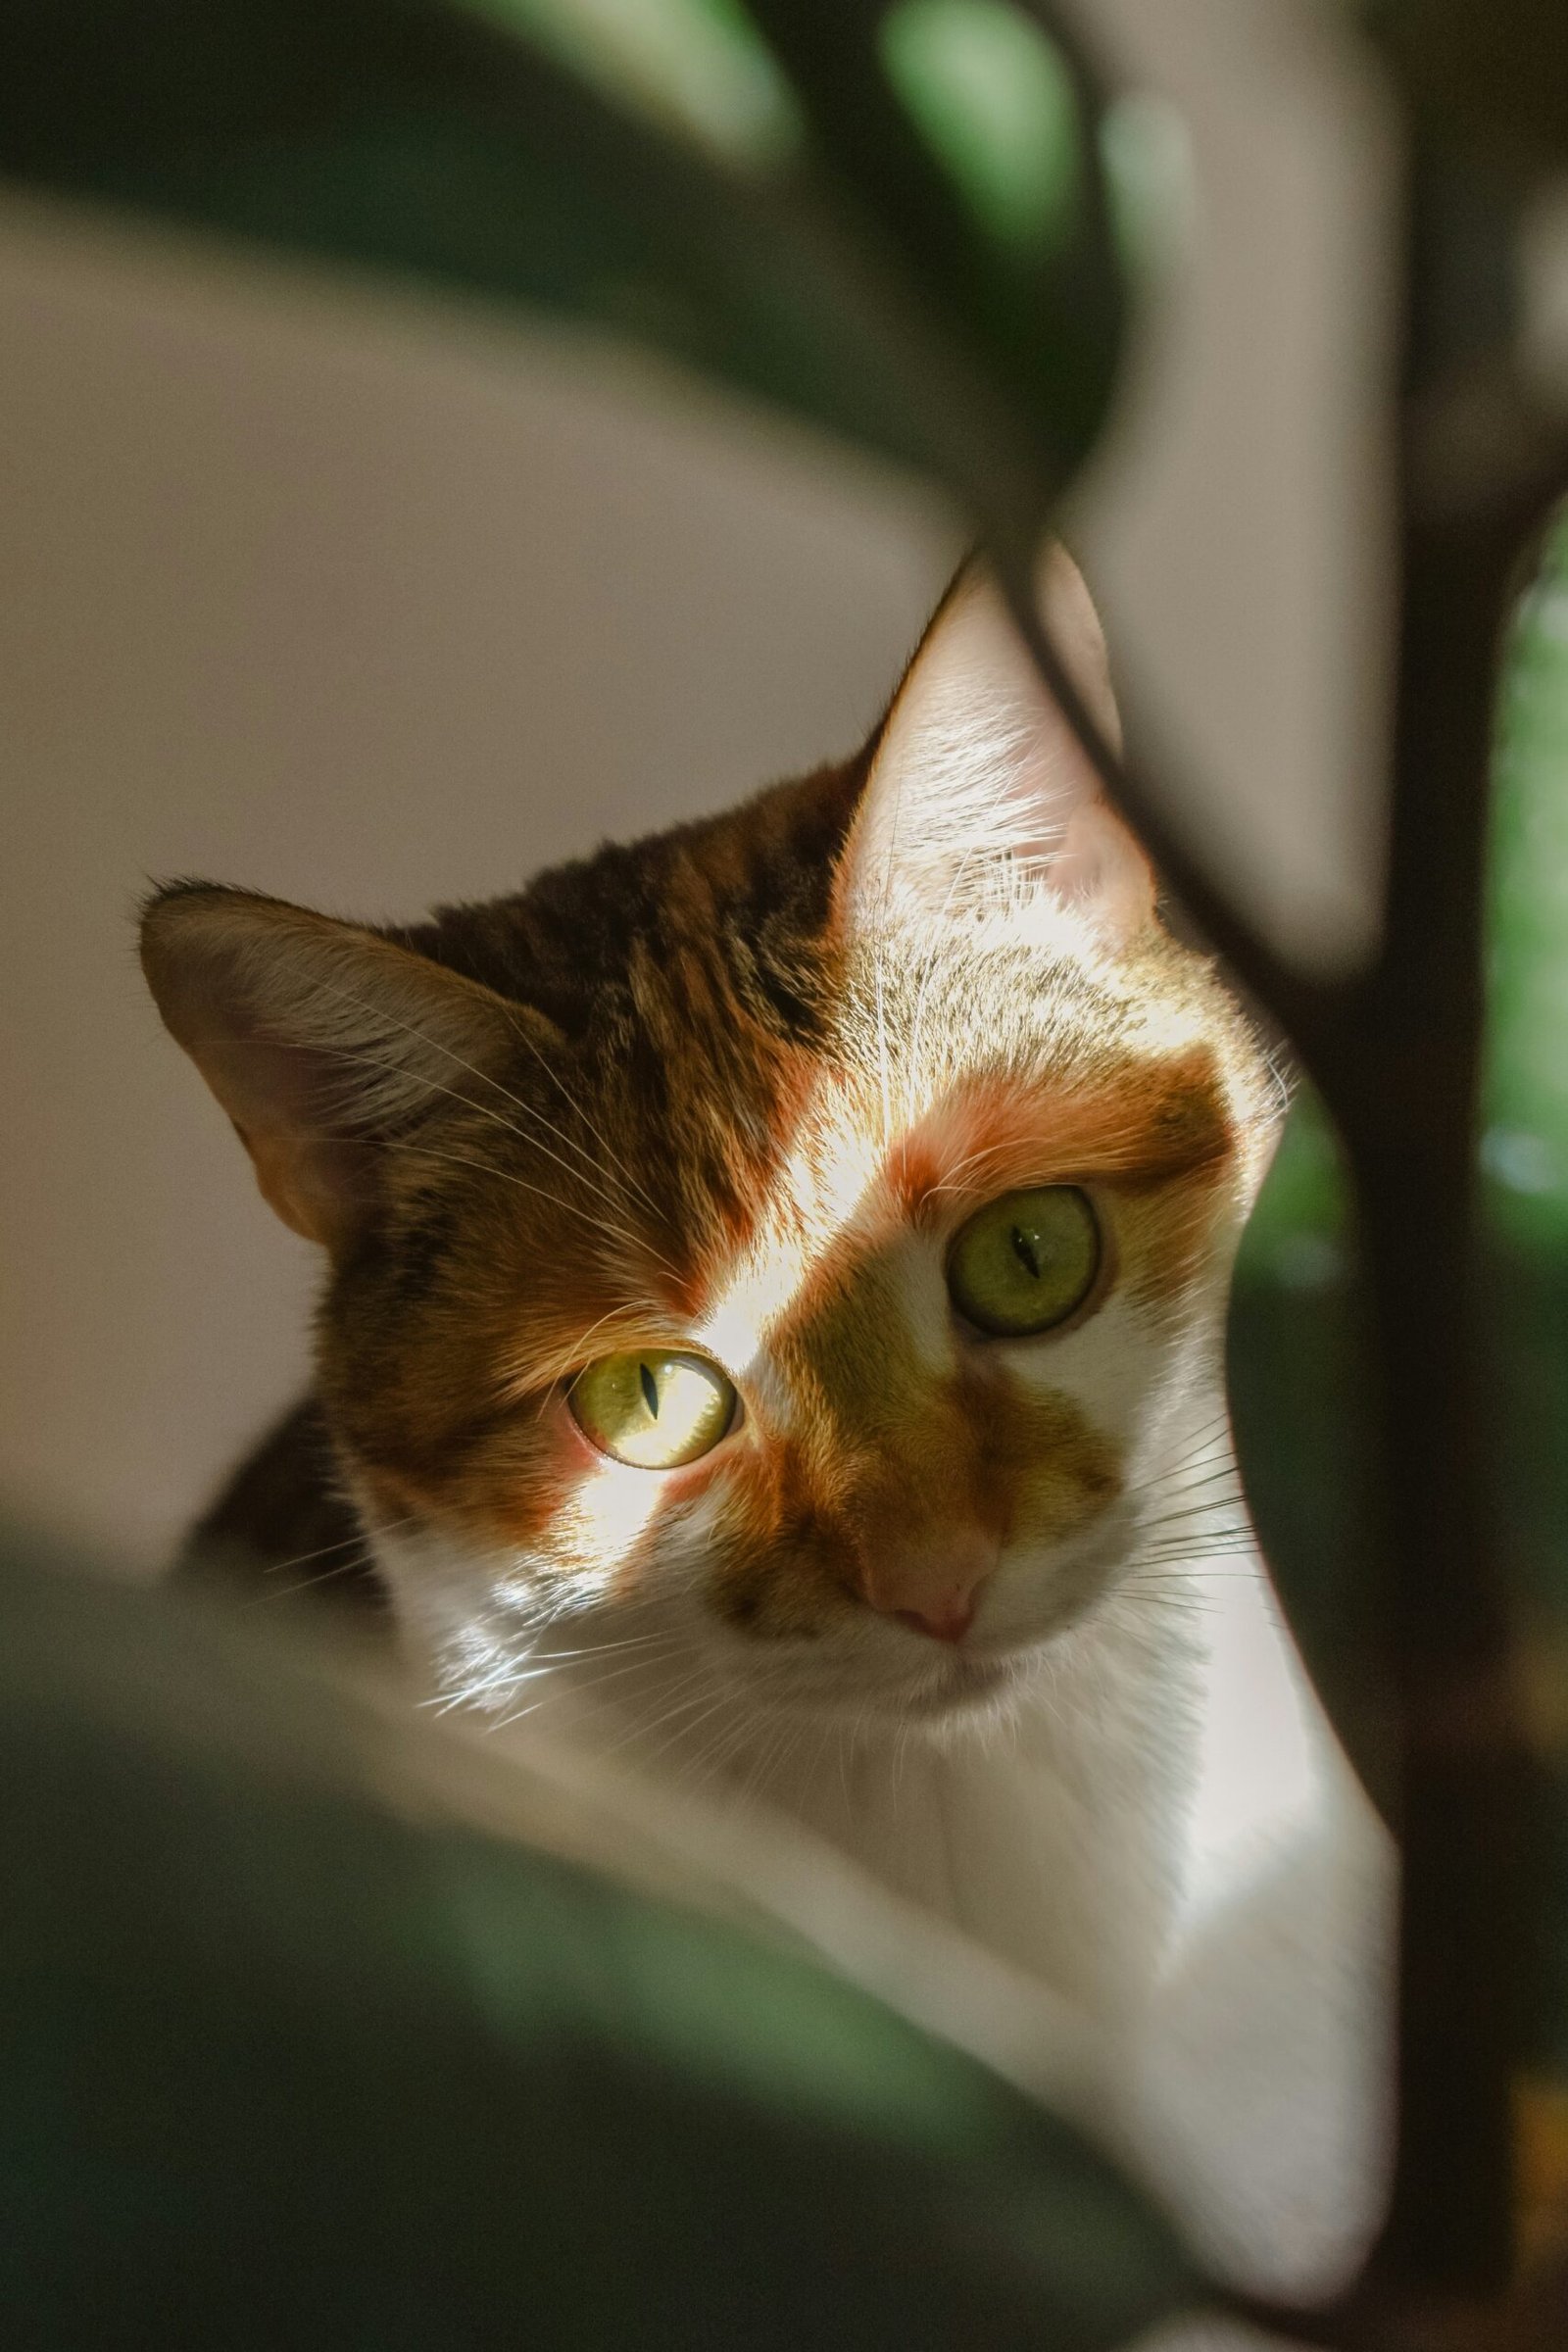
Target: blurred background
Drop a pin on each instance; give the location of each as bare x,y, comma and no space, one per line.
375,599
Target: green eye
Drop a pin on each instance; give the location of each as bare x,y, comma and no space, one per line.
650,1410
1026,1262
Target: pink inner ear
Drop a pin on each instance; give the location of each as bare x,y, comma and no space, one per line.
321,1039
978,774
285,1107
1101,868
322,1193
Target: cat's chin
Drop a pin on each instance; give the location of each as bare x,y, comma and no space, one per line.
963,1687
957,1690
968,1691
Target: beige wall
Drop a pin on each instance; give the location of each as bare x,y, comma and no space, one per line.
371,601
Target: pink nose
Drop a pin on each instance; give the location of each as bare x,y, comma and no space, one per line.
947,1622
934,1590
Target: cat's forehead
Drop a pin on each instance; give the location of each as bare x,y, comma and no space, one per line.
751,1101
946,1078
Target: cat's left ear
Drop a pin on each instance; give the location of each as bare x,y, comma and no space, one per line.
978,784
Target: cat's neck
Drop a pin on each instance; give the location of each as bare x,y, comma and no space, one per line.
1063,1832
1150,1762
1045,1832
1163,1831
1157,1761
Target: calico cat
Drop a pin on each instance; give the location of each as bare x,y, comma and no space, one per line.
777,1278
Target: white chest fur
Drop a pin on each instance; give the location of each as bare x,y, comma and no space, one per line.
1163,1831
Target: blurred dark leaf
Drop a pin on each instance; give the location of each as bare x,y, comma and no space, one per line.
1296,1377
285,2067
852,280
899,100
1300,1422
1489,73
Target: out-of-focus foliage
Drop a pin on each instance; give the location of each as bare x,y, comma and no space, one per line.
1293,1332
1525,1155
699,68
1300,1420
285,2067
991,97
1524,1148
892,217
1489,73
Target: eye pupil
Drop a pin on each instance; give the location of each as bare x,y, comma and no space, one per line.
1024,1248
653,1410
1025,1263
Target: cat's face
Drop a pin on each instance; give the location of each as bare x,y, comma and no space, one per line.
793,1242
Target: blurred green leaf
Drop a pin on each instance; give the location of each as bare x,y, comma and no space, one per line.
1525,1146
768,211
287,2066
1299,1419
1525,1158
990,95
944,170
1298,1400
695,67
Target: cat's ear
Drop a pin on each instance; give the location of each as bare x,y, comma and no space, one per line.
978,785
320,1039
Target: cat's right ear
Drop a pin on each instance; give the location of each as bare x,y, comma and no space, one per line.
321,1039
979,791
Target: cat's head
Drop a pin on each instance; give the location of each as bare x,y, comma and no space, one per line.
800,1233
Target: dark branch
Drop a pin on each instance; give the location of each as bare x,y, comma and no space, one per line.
1305,1010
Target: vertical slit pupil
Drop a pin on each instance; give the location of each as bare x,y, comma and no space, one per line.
650,1389
1024,1249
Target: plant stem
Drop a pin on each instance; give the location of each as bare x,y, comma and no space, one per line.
1406,1093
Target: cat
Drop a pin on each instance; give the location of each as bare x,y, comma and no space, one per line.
774,1319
